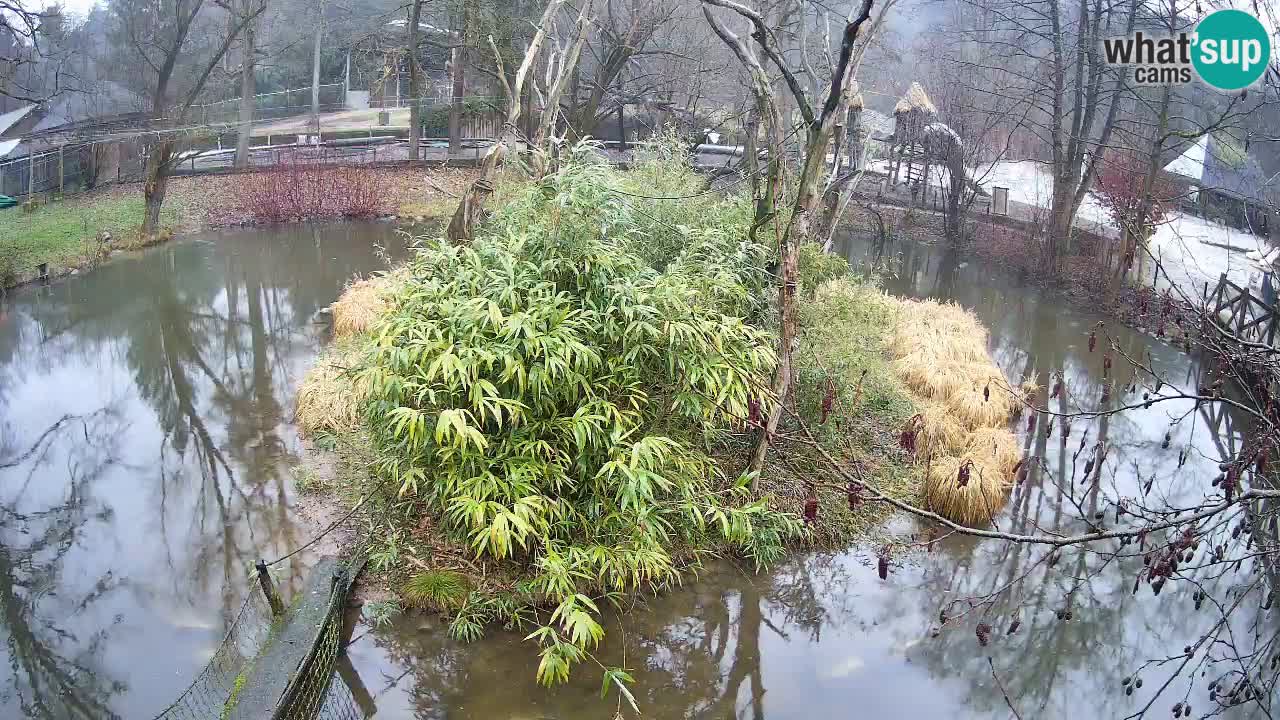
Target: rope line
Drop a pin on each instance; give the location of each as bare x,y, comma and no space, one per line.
324,532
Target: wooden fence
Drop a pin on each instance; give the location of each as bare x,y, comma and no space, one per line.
1241,312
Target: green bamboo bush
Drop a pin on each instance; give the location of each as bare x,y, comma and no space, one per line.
550,394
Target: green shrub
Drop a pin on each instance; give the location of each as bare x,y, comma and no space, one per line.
438,590
546,392
817,267
435,119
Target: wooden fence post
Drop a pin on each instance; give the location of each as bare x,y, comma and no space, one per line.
62,174
269,589
1242,311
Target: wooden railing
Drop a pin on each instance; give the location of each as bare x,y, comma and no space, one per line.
1239,311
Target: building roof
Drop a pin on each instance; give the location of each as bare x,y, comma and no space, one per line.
104,99
12,117
1190,164
915,99
8,146
1220,164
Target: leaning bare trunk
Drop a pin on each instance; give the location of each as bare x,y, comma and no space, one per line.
153,190
470,210
798,232
551,112
247,89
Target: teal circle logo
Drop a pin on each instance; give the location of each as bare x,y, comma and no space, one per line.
1232,49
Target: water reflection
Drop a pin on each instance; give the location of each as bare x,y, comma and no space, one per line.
822,636
127,530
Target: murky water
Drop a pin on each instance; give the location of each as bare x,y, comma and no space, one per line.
145,458
128,526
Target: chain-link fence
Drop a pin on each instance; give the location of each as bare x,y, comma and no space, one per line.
72,168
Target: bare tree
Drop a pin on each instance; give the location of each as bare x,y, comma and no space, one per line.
248,80
457,70
415,78
177,47
470,209
1041,60
817,124
626,31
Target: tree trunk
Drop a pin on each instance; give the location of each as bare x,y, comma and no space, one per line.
751,152
459,84
1134,238
415,106
315,72
248,87
1061,217
153,190
797,233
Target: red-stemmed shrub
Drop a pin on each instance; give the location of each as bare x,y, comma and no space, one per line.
1120,190
296,191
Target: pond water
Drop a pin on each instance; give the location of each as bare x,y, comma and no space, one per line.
145,457
128,527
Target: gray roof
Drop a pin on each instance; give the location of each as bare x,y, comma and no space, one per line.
1236,174
878,125
104,99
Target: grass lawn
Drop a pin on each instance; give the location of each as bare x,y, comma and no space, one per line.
64,233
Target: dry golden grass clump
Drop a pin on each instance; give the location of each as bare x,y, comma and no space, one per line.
940,433
330,397
974,500
362,304
940,352
997,447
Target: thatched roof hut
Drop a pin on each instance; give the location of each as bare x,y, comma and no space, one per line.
916,100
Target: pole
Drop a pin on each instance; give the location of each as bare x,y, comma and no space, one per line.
622,127
269,589
31,175
62,175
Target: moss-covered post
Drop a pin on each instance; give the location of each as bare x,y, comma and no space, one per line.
269,589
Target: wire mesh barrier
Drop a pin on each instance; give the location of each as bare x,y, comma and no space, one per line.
208,694
309,693
71,168
281,668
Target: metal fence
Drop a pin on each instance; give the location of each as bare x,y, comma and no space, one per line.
271,106
72,168
86,164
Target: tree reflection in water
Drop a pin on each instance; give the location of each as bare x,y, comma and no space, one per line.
56,670
198,345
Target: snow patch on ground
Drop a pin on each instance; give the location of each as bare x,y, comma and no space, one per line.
1191,250
1182,246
